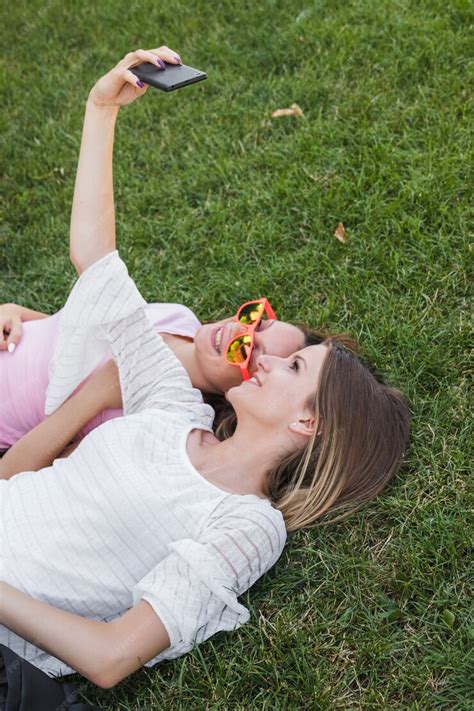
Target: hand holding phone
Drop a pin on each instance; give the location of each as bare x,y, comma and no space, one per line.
173,76
120,86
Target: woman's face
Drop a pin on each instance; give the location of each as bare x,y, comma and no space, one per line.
272,337
279,389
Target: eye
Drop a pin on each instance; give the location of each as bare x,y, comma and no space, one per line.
295,365
255,353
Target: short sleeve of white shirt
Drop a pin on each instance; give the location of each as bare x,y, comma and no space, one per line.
105,310
194,589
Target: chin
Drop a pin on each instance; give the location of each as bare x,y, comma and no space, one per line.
230,393
236,392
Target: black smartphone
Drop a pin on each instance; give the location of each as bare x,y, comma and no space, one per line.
173,76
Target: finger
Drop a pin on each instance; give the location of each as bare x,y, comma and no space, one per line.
131,78
14,337
169,55
5,325
4,334
140,56
130,60
157,57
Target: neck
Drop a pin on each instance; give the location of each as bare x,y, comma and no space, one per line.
238,467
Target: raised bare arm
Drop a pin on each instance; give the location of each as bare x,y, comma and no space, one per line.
92,232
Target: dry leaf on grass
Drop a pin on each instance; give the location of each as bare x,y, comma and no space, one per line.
294,110
341,233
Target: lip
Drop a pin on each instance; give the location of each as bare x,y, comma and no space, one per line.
213,335
223,341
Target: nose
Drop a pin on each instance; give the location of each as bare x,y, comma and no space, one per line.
265,362
236,329
268,362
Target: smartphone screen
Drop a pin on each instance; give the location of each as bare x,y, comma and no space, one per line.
174,76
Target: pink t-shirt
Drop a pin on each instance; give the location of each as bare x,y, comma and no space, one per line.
24,373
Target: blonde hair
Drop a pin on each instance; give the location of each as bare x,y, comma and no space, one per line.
355,450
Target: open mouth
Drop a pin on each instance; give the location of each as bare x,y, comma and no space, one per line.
216,338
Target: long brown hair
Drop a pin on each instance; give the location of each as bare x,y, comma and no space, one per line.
356,448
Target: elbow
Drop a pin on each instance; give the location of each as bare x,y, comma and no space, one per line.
96,676
109,679
104,678
109,673
104,683
102,669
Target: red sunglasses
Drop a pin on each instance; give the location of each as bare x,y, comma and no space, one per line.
239,349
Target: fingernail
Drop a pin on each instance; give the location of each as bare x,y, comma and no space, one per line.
11,347
178,59
161,63
140,83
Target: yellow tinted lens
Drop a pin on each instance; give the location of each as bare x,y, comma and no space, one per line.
250,313
239,349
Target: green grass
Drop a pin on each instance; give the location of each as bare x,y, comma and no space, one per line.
217,202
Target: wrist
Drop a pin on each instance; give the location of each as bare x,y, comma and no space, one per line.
102,110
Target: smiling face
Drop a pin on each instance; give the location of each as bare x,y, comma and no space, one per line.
279,390
272,337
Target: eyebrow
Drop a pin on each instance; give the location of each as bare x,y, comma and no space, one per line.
270,322
298,357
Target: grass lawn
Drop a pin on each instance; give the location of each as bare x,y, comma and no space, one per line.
218,202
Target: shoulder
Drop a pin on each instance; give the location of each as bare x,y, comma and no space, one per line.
256,521
177,318
183,310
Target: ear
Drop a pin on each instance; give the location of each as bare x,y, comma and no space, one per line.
306,426
303,427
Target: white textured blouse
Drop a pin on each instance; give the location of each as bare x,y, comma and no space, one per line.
126,516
